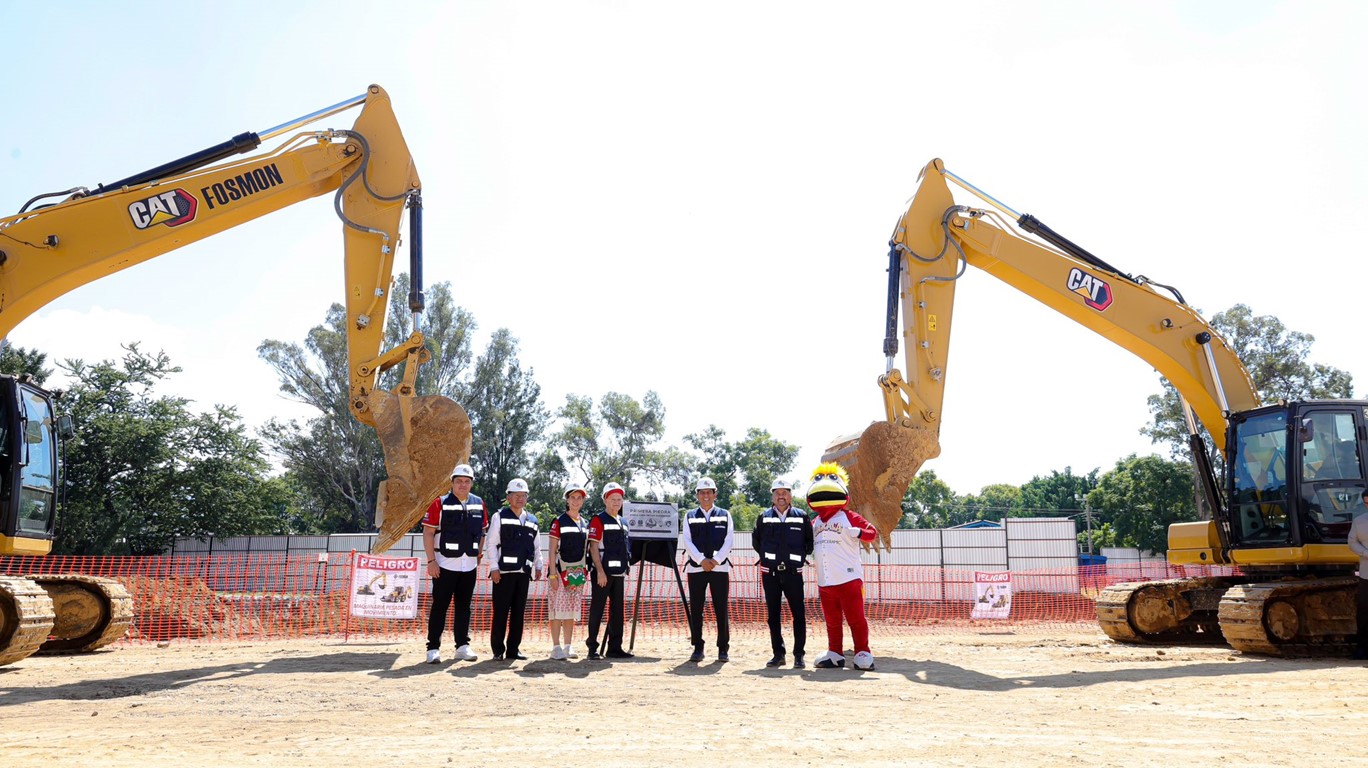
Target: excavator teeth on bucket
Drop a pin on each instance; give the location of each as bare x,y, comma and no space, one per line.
423,438
882,461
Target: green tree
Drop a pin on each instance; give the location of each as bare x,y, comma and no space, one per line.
506,415
1141,497
1277,359
993,502
17,361
619,441
143,469
930,503
447,330
335,461
1058,493
746,467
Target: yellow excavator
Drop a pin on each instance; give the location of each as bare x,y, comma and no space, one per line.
61,241
1293,471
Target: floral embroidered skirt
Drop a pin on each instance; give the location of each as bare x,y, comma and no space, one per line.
565,603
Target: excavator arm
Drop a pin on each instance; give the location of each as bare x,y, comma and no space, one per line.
933,244
53,249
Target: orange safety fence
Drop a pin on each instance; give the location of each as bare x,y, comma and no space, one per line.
222,598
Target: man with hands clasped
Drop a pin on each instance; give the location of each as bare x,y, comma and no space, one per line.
708,531
514,559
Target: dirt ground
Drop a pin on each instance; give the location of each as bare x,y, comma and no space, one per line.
1058,698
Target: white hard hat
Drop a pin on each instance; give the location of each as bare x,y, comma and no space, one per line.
463,470
611,488
780,484
705,484
516,485
572,486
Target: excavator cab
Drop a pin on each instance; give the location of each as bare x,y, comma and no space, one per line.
1296,475
28,450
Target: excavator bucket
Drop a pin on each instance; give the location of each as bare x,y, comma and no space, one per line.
881,462
423,438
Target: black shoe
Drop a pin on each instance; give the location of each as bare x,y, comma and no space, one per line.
1360,655
497,657
519,656
777,661
594,655
829,664
798,661
697,656
722,657
620,654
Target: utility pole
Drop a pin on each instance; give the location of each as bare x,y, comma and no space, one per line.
1087,515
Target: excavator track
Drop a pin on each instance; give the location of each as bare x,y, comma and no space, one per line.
1301,617
26,618
1177,611
91,611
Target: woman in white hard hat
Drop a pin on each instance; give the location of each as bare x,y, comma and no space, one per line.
567,572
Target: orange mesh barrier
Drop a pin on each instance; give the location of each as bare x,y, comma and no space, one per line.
263,596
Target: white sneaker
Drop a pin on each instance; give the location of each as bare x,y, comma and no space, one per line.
830,660
465,654
434,656
864,660
558,653
571,653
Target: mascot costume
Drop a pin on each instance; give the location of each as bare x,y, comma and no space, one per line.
837,533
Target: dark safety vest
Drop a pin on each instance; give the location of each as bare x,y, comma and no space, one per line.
708,531
462,526
781,545
574,539
614,552
517,542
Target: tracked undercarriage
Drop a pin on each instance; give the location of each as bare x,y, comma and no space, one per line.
1290,616
63,613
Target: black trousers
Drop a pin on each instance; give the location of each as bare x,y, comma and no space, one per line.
510,603
617,612
719,584
1361,607
446,586
785,584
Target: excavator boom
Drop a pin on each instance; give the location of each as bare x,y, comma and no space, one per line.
934,242
55,248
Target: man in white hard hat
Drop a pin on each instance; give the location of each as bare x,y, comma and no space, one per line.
514,559
708,532
453,528
783,540
610,552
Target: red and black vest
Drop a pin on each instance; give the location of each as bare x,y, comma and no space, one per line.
574,538
462,526
615,554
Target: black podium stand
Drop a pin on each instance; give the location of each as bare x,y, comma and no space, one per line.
659,552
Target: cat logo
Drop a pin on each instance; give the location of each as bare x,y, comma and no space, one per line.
172,208
1096,292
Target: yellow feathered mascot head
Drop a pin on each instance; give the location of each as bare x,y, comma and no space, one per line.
827,491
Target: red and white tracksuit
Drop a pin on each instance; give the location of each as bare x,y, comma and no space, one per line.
840,575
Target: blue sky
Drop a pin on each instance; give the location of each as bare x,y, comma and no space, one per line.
695,197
